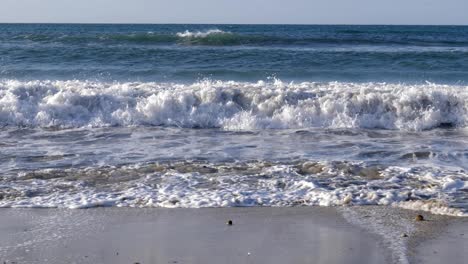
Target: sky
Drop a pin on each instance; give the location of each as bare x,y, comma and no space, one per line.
433,12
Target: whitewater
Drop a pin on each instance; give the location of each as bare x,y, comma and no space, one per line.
81,144
234,115
232,105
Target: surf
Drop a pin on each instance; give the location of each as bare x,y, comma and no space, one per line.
233,105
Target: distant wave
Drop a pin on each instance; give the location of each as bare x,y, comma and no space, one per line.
202,34
232,105
217,37
213,37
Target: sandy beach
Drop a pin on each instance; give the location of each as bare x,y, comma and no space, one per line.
258,235
451,246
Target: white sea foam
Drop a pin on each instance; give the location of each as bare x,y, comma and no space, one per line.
232,105
201,34
227,185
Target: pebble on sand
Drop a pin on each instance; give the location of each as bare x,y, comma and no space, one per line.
229,222
419,218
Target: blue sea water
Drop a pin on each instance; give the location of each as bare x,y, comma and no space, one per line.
234,52
234,115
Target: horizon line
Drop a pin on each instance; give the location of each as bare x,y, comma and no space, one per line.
227,24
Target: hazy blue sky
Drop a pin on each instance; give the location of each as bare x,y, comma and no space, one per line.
237,11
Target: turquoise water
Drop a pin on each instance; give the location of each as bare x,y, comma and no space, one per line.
234,115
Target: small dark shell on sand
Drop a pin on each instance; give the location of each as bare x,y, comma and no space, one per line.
229,222
419,218
404,235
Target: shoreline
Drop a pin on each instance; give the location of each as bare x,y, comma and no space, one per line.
363,234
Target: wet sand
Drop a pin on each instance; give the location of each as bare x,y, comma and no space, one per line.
258,235
450,245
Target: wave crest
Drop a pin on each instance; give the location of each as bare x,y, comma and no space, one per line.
232,105
201,34
212,37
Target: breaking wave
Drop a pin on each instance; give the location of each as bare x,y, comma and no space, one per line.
233,105
213,37
200,34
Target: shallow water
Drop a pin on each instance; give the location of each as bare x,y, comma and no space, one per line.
177,167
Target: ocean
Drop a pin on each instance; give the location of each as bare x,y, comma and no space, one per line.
234,115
